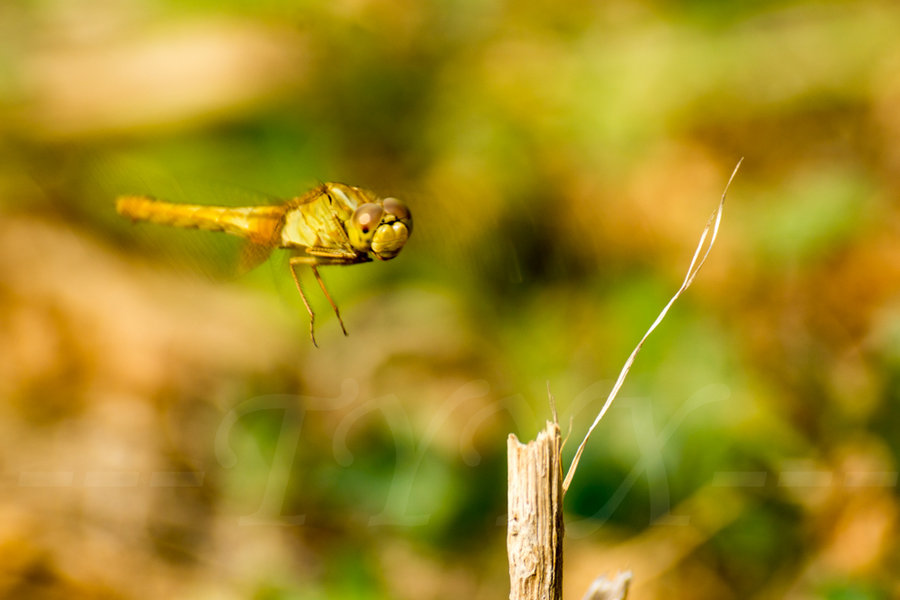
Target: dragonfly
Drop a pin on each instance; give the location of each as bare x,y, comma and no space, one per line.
332,224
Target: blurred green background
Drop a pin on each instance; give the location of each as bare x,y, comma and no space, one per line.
167,434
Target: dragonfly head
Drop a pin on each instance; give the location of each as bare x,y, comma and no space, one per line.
380,228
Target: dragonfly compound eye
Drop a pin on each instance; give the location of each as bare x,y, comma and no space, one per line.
394,207
363,223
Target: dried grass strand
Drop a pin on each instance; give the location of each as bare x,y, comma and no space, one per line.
710,231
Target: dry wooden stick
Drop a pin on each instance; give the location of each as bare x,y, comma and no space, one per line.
609,588
536,488
534,521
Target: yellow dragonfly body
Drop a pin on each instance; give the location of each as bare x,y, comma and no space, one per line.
333,224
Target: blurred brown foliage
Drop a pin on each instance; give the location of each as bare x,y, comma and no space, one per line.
164,434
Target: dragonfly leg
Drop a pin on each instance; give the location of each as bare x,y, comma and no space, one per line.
328,296
312,315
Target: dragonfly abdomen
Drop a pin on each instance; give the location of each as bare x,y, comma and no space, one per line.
257,223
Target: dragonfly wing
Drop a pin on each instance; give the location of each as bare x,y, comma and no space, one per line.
253,255
314,194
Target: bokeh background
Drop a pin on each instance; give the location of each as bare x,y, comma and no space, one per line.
167,429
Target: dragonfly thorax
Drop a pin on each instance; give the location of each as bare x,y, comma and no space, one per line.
347,223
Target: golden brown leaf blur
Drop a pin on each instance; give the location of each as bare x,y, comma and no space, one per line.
167,434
